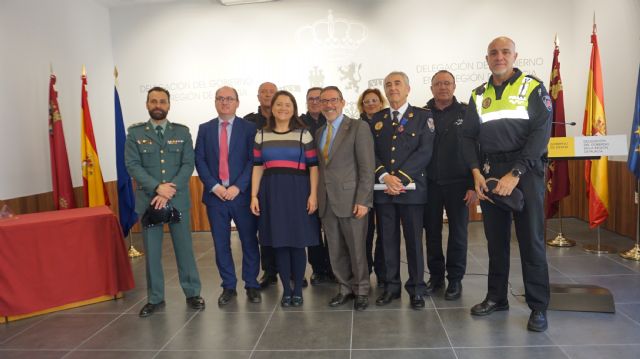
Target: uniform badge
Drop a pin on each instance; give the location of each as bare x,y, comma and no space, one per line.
432,126
174,142
486,103
547,102
378,125
386,115
458,122
411,115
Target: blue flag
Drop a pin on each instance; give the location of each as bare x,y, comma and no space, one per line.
126,200
633,162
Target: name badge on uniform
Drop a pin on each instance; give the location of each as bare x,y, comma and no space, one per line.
432,126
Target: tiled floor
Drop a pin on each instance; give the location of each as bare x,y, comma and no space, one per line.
444,329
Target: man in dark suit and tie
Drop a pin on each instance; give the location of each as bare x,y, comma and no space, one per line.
403,138
224,160
345,194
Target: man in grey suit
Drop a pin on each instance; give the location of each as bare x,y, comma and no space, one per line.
345,194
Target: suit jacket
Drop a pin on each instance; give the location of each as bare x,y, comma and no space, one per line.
151,162
346,178
207,155
404,152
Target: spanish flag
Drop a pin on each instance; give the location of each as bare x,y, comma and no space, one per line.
95,192
595,124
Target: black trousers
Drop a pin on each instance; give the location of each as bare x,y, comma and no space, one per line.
375,258
410,216
319,255
529,225
450,197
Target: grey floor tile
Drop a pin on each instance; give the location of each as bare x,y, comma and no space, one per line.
307,330
604,351
130,332
59,332
624,288
404,354
398,329
630,309
551,352
308,354
111,354
220,331
203,354
31,354
11,329
588,265
631,264
582,328
506,328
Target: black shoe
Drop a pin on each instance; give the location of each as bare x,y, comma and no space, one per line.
304,283
537,321
387,297
285,301
150,308
196,302
227,294
488,306
454,290
296,301
433,285
267,280
417,301
361,302
319,278
253,295
340,299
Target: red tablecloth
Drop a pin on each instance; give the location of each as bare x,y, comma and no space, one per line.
55,258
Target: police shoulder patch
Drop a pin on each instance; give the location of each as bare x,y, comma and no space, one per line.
546,99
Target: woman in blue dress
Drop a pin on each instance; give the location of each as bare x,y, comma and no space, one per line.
284,192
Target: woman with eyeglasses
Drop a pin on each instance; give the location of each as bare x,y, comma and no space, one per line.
284,192
370,102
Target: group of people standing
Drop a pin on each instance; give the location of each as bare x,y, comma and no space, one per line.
327,184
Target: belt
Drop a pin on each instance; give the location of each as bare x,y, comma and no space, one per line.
502,156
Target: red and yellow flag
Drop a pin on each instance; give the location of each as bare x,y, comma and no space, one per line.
595,124
95,192
60,173
558,173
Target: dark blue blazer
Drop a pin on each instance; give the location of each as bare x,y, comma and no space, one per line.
207,154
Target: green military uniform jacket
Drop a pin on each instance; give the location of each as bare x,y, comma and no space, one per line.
151,162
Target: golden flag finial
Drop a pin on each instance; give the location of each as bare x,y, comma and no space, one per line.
115,72
50,68
556,41
595,29
84,70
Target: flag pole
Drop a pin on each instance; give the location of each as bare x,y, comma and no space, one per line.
634,253
132,252
561,240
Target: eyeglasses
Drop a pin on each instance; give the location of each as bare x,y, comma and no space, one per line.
442,83
333,101
225,99
313,99
373,101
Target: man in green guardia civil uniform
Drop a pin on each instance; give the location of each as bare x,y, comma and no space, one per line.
159,156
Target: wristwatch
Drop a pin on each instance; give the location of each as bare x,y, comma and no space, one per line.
516,173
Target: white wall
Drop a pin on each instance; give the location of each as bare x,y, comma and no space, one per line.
67,34
195,46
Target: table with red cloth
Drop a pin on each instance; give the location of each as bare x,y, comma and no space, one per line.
51,259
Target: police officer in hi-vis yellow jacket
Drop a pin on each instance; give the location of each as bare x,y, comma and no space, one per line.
159,156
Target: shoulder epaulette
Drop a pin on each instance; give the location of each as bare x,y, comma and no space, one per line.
424,109
138,124
179,125
535,78
480,89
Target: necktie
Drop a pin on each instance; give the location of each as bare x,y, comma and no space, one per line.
327,142
395,117
224,153
159,132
